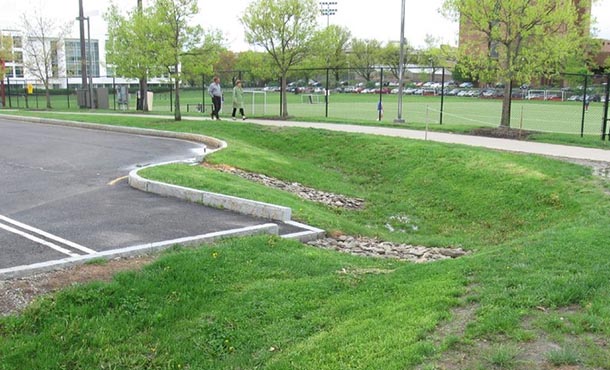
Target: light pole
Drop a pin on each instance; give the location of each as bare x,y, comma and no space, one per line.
401,67
83,54
327,11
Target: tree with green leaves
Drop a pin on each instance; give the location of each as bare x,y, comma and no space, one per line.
259,66
512,41
329,48
175,37
202,60
130,47
6,53
284,28
42,42
365,55
390,56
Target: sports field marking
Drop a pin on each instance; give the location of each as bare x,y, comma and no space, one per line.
45,234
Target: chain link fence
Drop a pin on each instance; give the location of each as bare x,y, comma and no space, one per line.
570,103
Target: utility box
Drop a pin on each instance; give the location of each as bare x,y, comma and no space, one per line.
122,94
100,95
149,100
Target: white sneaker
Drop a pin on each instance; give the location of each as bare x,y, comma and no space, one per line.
243,117
233,118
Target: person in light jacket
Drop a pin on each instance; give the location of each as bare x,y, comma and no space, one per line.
216,93
238,100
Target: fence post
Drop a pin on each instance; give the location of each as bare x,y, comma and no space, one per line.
380,107
326,92
584,106
606,104
8,85
68,91
442,94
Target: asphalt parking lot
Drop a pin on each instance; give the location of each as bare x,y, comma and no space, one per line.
64,194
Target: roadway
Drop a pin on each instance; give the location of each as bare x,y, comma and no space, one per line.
64,193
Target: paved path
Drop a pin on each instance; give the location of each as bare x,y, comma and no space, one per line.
554,150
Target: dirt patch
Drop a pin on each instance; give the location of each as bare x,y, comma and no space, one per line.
16,294
536,353
502,133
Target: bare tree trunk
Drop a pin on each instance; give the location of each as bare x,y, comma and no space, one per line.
48,96
506,105
284,97
177,114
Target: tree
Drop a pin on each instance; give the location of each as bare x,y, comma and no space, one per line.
390,56
516,40
6,52
40,49
201,60
364,57
329,48
175,37
284,29
130,47
259,65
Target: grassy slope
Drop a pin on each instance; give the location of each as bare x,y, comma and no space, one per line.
538,228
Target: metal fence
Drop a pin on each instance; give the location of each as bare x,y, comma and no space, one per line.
570,103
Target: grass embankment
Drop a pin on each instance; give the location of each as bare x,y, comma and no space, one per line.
539,276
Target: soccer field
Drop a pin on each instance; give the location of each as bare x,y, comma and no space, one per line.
546,116
559,117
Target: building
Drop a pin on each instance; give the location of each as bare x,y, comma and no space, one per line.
474,38
66,64
13,68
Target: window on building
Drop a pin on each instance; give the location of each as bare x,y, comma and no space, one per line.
73,59
54,59
18,71
18,57
17,42
9,72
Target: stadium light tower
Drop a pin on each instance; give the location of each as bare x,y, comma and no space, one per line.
401,67
328,8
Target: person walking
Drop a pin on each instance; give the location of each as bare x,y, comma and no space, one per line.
216,93
238,100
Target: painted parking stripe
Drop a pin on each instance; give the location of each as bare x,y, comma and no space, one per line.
38,240
46,235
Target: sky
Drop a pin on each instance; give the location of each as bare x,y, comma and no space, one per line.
366,19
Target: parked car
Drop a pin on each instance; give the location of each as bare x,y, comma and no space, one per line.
489,93
466,85
452,92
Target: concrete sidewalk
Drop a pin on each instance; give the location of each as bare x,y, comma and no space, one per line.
554,150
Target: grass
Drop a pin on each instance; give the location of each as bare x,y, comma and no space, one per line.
537,228
544,116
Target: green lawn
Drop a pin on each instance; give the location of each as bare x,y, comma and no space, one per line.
534,293
553,116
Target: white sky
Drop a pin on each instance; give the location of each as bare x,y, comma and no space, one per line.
367,19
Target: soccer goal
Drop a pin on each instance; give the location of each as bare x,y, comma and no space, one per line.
546,95
259,98
535,95
310,98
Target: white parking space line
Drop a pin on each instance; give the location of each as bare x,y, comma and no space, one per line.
45,234
38,240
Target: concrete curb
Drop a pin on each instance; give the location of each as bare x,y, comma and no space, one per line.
136,250
239,205
211,143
